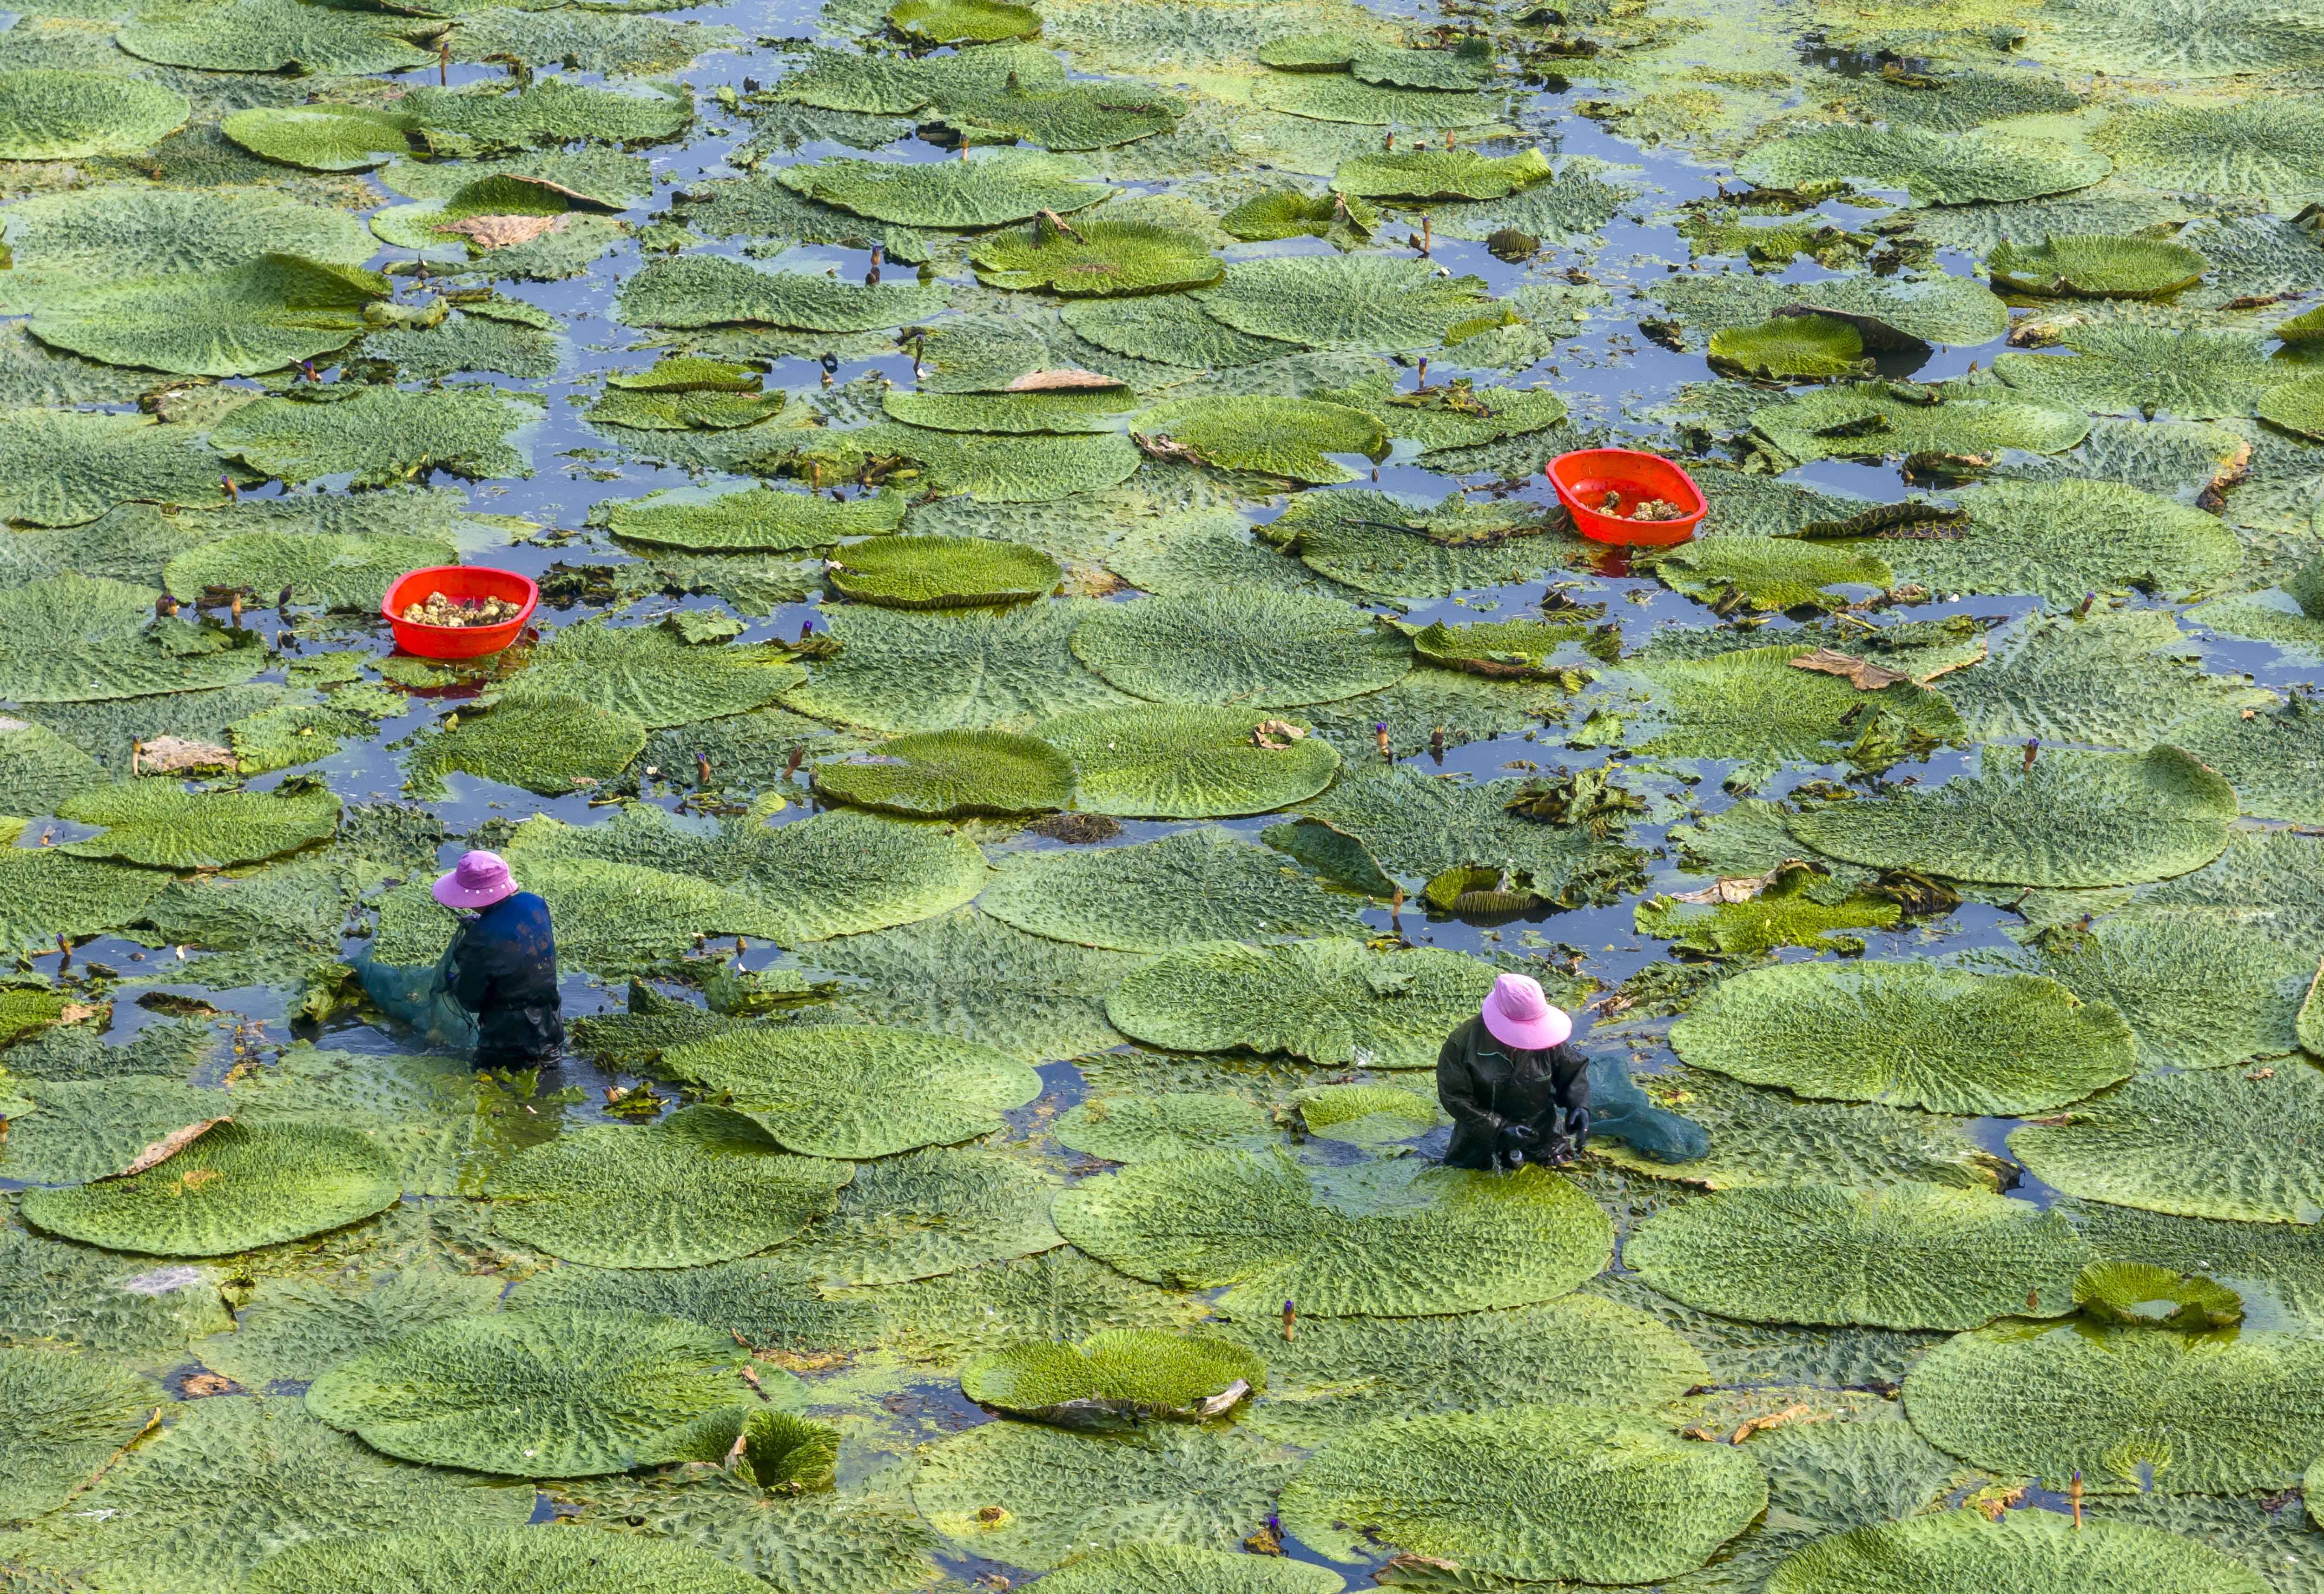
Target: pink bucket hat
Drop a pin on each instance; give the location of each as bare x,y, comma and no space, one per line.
482,878
1517,1015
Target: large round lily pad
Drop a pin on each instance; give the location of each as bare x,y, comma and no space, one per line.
576,1560
2073,819
2216,1144
970,669
1262,649
2096,265
1911,1256
62,1416
1934,167
65,116
1331,1002
1533,1492
1200,885
992,186
946,774
1157,762
1911,1034
857,1091
2037,1551
1406,1240
1029,1494
1120,1373
1183,1569
1287,437
940,572
232,1188
703,1186
1373,303
546,1394
2198,1414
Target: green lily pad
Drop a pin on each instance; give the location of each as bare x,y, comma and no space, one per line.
977,668
1199,885
2037,1551
751,520
1911,1034
1176,1123
584,1561
1866,421
947,774
2097,265
322,137
1329,97
2128,368
334,571
67,468
292,1329
380,436
1565,1492
1934,167
1097,258
1369,302
1908,1258
64,115
231,1189
1440,174
698,290
941,572
928,1213
1184,1569
1068,412
1123,1373
1265,650
158,823
278,36
1461,1242
2296,407
545,1393
2265,146
1791,348
1287,437
855,1090
988,188
963,22
551,111
62,1416
549,745
652,674
703,1186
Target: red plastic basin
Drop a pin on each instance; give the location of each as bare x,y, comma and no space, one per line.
1583,479
458,581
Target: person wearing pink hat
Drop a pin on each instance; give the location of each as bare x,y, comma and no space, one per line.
503,963
1516,1085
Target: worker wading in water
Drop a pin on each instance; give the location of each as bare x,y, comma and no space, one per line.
502,966
1516,1086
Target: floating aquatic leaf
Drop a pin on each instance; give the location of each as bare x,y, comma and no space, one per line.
68,468
278,35
545,744
965,21
1888,313
551,111
1200,885
2295,405
770,1304
703,1186
292,1329
1866,421
1565,1492
2097,265
1121,1373
2073,819
979,669
1168,327
1177,1123
1934,167
2200,989
1329,97
1377,542
1066,411
1910,1256
946,774
541,1393
1913,1034
697,291
752,519
472,1560
1294,212
855,1090
323,137
157,822
1184,1569
62,1416
2129,368
1423,1241
1287,437
990,188
1791,348
2231,1144
941,572
2037,1551
1440,174
1029,1494
44,893
54,1294
380,435
652,674
1369,302
1035,469
2204,1415
334,571
1265,650
1770,574
62,115
231,1189
1096,258
931,1212
2266,146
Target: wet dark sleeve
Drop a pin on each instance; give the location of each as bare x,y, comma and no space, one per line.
1456,1087
474,963
1569,1068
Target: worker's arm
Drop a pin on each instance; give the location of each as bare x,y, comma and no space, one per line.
471,968
1457,1087
1569,1072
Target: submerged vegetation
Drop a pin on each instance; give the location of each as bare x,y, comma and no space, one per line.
1058,680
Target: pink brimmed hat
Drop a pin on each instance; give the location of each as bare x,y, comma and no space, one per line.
481,878
1517,1014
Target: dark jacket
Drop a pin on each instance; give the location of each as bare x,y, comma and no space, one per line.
1487,1087
502,968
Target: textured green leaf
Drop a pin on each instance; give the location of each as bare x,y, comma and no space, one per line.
1440,174
1328,96
67,468
1532,1492
1771,574
1910,1034
63,115
83,1131
2266,146
583,1561
2295,405
1200,885
231,1483
1072,117
1027,1495
694,290
1026,469
1097,259
1184,1569
1934,167
1887,312
1910,1256
753,520
2217,1144
1176,1123
965,21
843,80
2206,1414
544,1393
855,1090
1377,542
2096,265
1168,327
702,1186
1865,420
1066,411
1288,437
1057,1295
157,822
1264,649
292,1329
62,1416
545,744
69,246
551,111
650,673
988,189
235,321
2073,819
2037,1551
946,774
980,669
814,1543
52,1293
1120,1373
2129,368
380,436
1791,348
322,137
338,572
941,572
769,1303
278,35
232,1188
1422,1241
931,1212
2200,989
1371,302
1184,763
